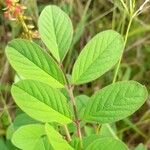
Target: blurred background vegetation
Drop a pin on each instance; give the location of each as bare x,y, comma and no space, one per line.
89,17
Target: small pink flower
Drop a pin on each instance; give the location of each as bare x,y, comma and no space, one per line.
18,10
9,3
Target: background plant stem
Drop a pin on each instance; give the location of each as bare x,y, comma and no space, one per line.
67,133
5,108
125,42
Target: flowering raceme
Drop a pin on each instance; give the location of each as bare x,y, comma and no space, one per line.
16,11
13,9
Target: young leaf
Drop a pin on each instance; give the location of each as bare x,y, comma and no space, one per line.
98,56
56,31
115,102
107,144
31,62
56,139
28,136
41,102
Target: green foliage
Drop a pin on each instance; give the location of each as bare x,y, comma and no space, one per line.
115,102
81,102
20,120
23,119
27,137
35,136
56,31
140,147
98,56
89,139
107,144
31,62
55,139
108,130
41,101
42,94
3,146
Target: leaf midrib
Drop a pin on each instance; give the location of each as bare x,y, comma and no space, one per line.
37,65
40,101
79,77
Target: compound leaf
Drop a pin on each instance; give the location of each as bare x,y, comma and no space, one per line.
115,102
56,31
31,62
41,102
98,56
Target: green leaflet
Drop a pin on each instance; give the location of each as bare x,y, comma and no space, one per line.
3,145
108,130
115,102
81,102
41,102
75,143
27,137
98,56
107,144
20,120
89,139
56,31
55,139
43,144
31,62
23,119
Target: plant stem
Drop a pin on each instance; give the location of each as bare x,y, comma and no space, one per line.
25,28
125,42
5,108
67,133
69,89
79,28
124,5
141,8
77,121
114,19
